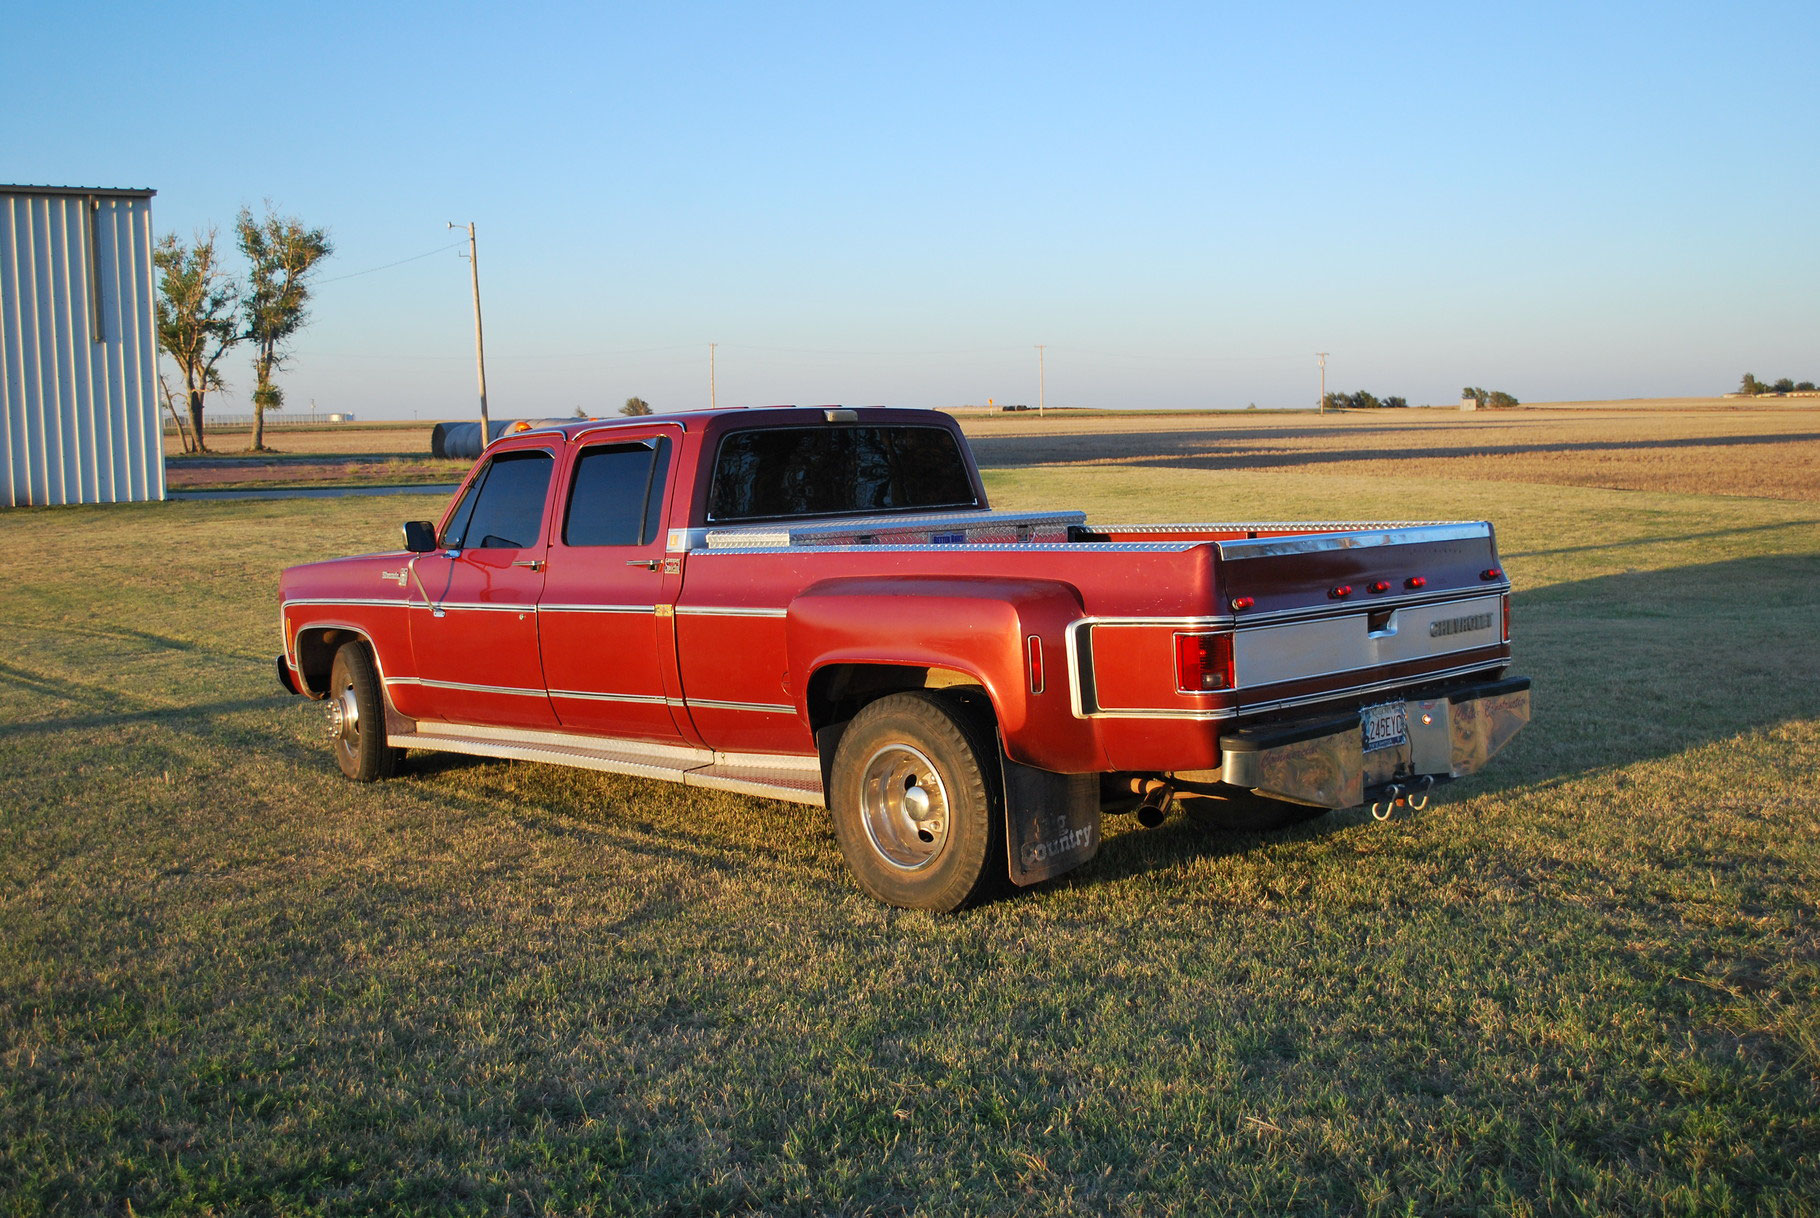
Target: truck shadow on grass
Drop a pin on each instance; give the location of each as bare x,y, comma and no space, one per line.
1628,668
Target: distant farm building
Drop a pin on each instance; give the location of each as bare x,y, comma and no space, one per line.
1468,402
78,352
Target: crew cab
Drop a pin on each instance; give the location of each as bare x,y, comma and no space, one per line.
819,605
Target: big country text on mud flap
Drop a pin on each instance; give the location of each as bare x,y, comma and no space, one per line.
1052,821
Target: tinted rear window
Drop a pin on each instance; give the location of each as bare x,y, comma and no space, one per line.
618,494
833,471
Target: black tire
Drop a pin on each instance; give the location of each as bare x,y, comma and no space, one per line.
356,705
915,802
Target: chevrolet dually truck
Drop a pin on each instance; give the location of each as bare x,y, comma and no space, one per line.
818,605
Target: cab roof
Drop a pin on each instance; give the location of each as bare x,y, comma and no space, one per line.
727,417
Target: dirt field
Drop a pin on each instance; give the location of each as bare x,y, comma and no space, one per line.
1696,445
1773,452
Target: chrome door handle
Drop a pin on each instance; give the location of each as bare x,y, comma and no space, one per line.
536,564
649,564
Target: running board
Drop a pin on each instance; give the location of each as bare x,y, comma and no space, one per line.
796,779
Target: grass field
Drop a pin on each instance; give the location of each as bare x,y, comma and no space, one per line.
1583,982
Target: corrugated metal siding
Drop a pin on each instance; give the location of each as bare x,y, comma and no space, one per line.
78,355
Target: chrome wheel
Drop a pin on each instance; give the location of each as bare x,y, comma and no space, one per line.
904,807
911,796
356,725
344,717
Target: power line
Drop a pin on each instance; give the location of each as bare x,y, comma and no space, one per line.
388,266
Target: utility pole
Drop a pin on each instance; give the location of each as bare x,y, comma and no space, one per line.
480,347
1041,379
1320,357
711,397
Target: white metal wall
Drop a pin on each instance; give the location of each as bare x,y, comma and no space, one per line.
78,357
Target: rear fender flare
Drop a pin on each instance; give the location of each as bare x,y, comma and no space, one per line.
979,627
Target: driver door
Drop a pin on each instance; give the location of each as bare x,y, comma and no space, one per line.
475,640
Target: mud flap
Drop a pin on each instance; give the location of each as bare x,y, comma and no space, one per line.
1052,821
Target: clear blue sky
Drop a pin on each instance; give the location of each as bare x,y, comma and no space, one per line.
871,204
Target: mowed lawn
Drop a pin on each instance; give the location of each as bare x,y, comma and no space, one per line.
1583,982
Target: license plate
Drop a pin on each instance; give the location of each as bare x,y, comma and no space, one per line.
1385,726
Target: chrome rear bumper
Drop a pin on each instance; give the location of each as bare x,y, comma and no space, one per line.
1324,762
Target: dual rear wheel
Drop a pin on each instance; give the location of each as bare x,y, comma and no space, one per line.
914,802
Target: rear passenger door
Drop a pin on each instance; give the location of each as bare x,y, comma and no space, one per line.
608,649
475,635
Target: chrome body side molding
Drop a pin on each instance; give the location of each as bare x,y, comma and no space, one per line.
790,778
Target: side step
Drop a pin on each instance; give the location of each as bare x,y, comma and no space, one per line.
796,779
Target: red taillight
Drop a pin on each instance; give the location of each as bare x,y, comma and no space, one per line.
1507,617
1341,592
1416,581
1380,585
1203,662
1492,573
1033,646
1242,602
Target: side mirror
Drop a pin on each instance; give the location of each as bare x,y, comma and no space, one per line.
419,536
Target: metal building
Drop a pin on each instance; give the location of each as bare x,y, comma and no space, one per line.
78,353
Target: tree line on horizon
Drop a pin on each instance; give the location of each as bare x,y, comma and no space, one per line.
1751,387
1361,401
204,311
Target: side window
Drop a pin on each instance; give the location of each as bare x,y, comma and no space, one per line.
618,494
503,510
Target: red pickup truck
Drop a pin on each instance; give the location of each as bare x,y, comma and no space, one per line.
818,605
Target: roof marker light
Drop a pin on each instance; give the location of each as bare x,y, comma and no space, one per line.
1242,602
1492,573
1380,585
1341,592
1416,581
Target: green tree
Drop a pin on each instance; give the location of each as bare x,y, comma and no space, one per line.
197,317
1395,403
1784,385
635,406
280,254
1804,386
1750,386
1497,399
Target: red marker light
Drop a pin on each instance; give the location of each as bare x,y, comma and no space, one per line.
1242,602
1416,581
1380,585
1341,592
1492,573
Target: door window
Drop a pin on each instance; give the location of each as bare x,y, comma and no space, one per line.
503,509
617,496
